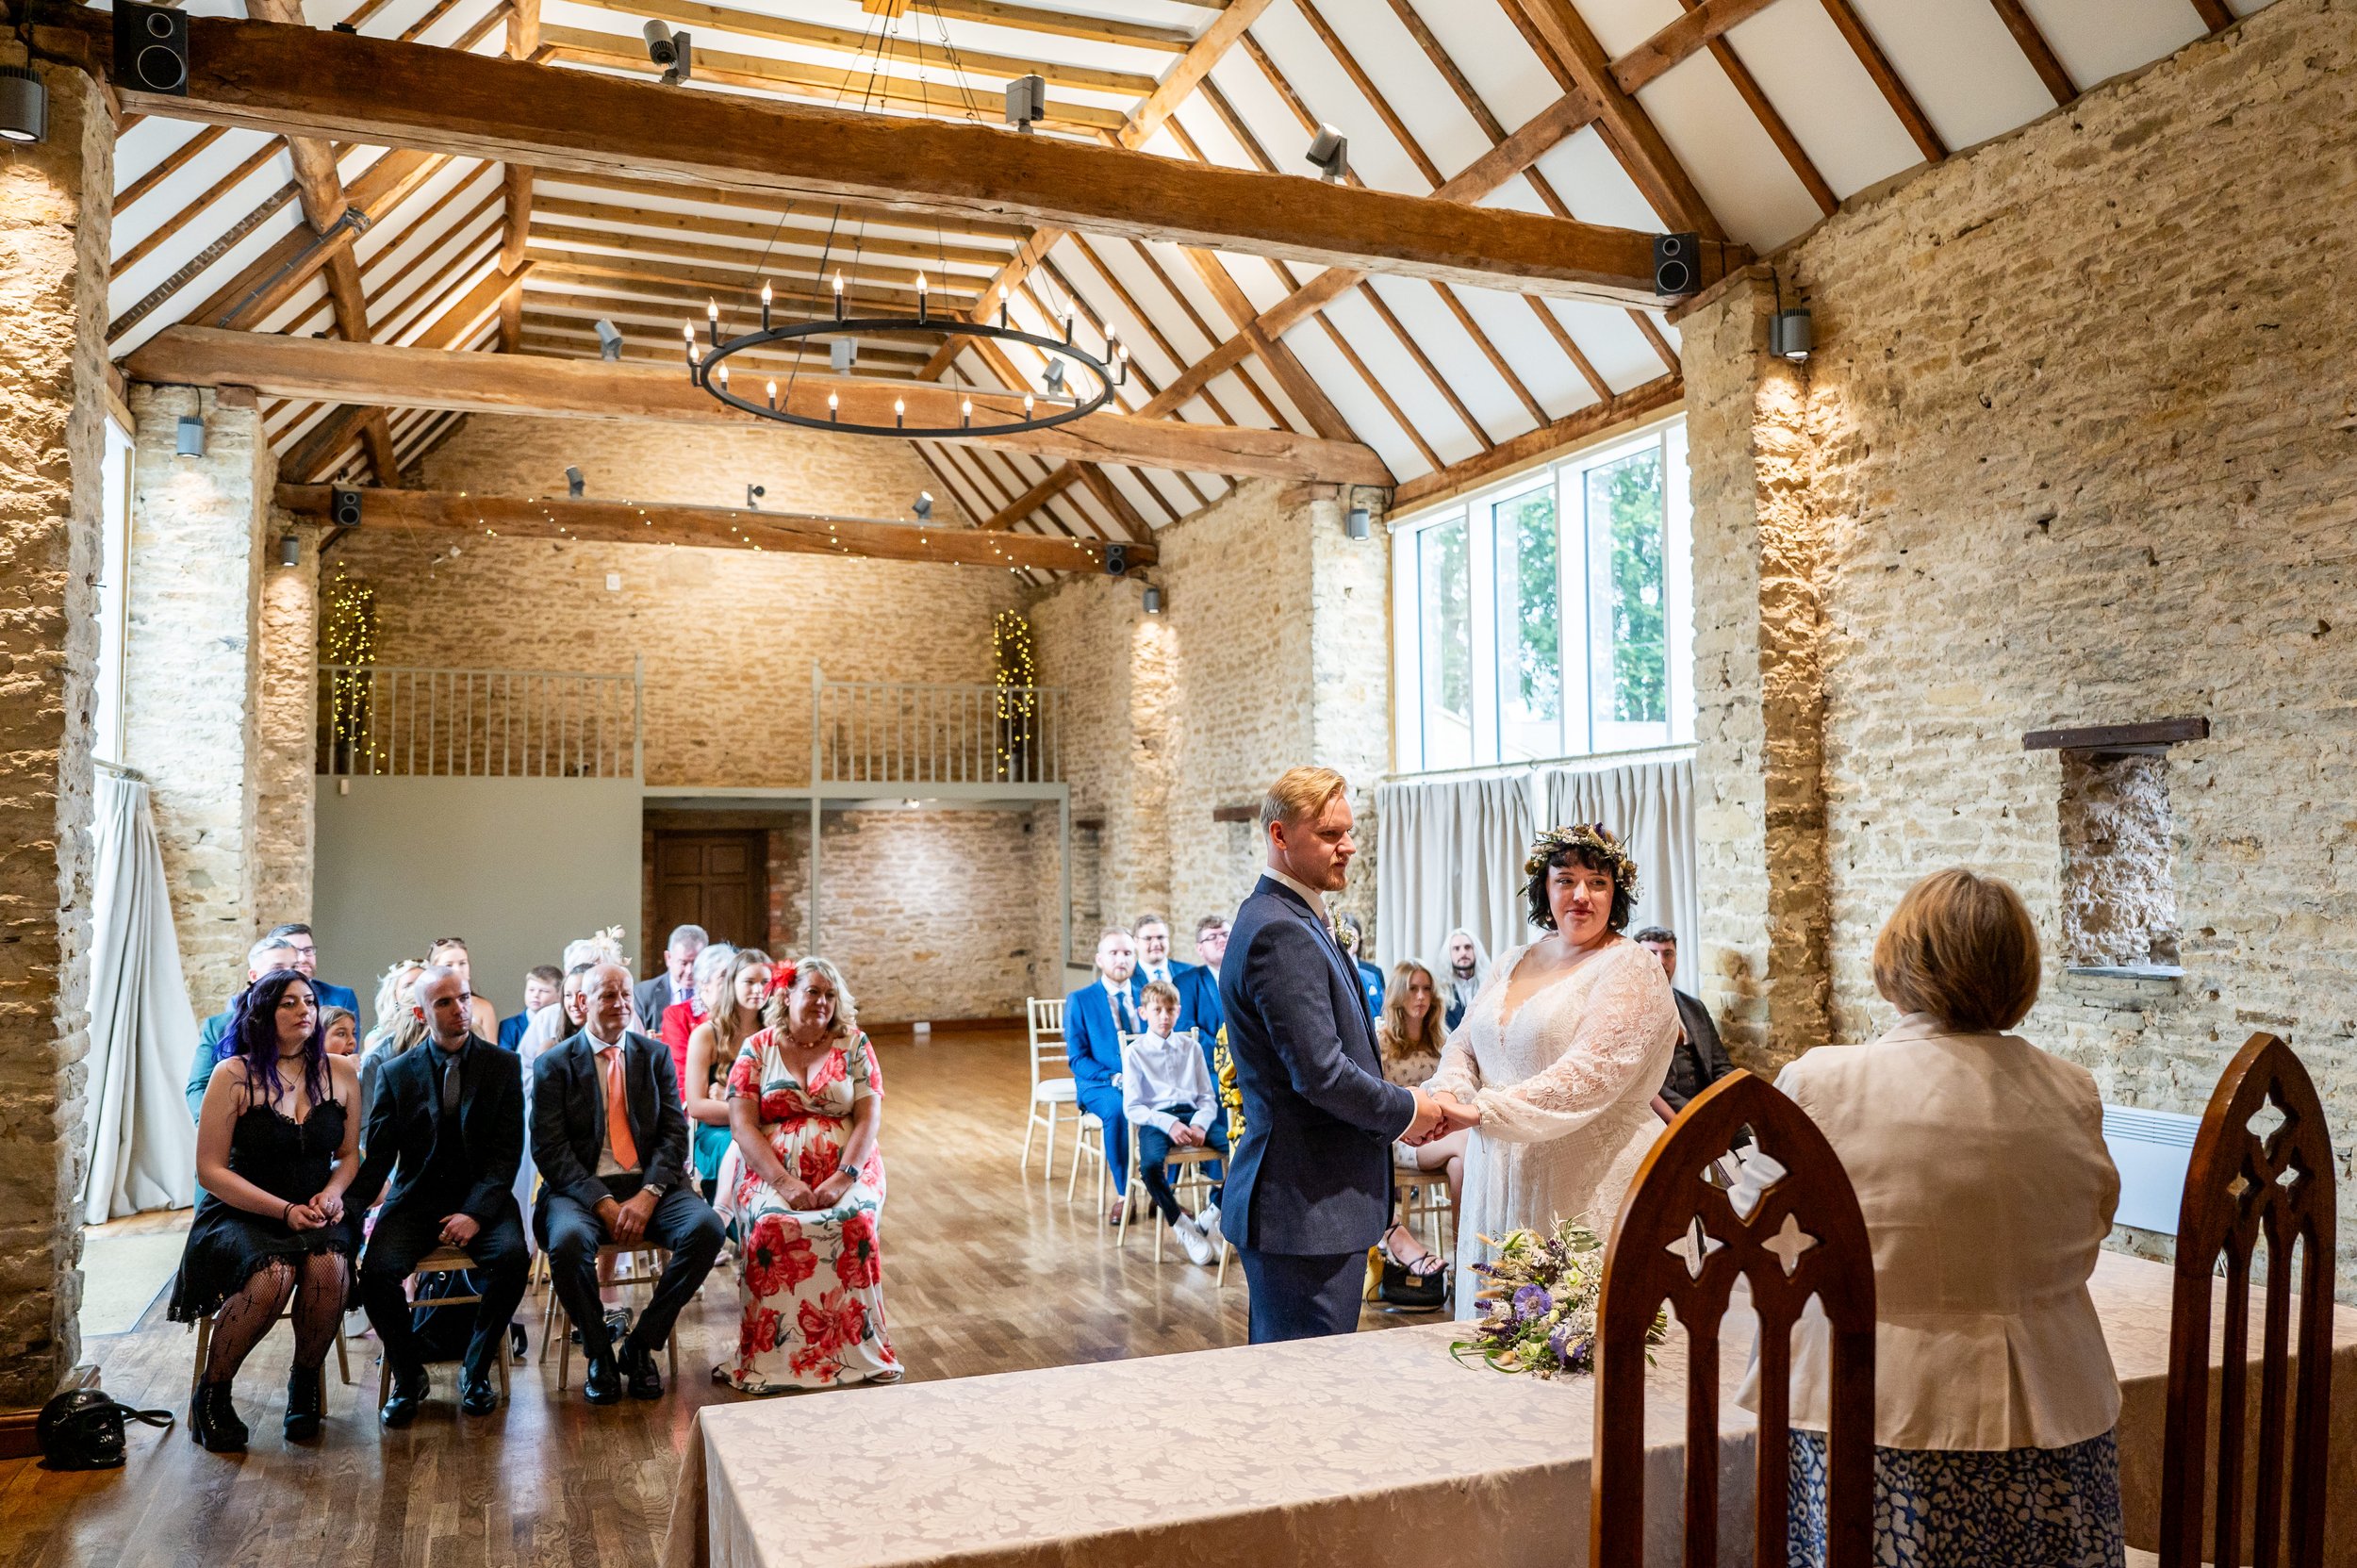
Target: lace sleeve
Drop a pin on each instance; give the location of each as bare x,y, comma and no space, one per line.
1625,1021
1459,1073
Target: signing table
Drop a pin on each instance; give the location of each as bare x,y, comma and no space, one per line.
1372,1449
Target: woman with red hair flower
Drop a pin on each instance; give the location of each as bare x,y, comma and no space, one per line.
805,1107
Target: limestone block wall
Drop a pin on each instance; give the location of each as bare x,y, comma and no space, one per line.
53,224
2079,439
287,714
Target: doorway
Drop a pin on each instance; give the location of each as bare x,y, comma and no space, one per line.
717,879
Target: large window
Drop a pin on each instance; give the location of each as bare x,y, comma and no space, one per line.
114,595
1549,616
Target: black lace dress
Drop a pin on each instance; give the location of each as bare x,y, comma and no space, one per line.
287,1159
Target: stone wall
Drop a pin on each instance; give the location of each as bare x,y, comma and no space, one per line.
53,227
2077,442
287,717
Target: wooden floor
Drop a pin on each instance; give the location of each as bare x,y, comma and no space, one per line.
983,1273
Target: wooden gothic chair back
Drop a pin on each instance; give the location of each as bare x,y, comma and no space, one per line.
1793,1231
2262,1167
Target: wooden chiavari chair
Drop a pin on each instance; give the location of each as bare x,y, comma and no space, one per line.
1791,1229
2250,1181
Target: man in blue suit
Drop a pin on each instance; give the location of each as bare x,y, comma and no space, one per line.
1309,1184
307,959
1095,1019
1199,985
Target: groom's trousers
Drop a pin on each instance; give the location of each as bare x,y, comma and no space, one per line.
1295,1296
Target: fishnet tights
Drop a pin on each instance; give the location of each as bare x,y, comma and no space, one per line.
317,1283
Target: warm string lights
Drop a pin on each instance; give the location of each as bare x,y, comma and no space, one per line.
348,642
1016,673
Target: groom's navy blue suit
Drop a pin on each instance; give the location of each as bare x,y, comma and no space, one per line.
1309,1184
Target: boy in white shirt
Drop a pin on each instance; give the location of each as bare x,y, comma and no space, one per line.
1166,1096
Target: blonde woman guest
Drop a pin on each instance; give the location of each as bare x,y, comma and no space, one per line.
451,954
806,1103
394,992
1980,1165
712,1052
1560,1055
1409,1039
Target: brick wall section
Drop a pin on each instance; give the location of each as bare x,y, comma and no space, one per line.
53,295
192,671
728,636
283,828
2082,418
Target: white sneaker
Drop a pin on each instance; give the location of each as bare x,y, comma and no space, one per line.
1208,1222
1198,1250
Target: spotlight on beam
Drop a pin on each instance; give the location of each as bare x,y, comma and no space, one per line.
674,52
923,506
1329,153
574,482
25,105
609,340
190,437
1027,101
752,496
1052,378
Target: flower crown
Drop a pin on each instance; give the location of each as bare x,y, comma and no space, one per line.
1596,840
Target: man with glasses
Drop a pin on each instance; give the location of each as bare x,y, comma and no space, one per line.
299,940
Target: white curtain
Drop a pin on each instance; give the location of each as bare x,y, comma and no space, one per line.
1450,853
1649,806
141,1146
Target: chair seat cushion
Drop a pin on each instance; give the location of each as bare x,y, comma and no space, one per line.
1055,1091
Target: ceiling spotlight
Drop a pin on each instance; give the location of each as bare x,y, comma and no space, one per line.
752,496
1053,378
924,506
609,340
674,52
1027,101
1790,335
1329,153
842,354
290,549
25,105
1153,599
1357,523
192,436
574,482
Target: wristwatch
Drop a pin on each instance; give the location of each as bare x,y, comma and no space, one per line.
852,1171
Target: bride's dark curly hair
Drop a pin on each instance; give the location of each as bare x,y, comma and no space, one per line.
1592,846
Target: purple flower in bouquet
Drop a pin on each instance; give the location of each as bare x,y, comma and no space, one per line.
1532,1301
1570,1347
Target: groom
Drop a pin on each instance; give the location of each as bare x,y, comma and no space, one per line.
1309,1184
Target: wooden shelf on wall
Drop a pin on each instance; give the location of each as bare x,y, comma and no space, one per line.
2118,737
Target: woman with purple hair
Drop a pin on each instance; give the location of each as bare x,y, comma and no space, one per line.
276,1145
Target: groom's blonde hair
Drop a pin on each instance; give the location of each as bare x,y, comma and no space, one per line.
1298,793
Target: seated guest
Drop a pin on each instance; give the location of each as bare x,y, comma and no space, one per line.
1198,983
212,1041
610,1140
553,1026
451,951
655,996
543,984
1096,1018
277,1145
1354,939
392,1035
394,993
1980,1166
806,1107
341,1030
1152,935
1700,1060
1463,968
1408,1039
307,952
1167,1095
712,1053
681,1018
447,1128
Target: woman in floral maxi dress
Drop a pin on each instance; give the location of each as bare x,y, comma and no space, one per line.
805,1104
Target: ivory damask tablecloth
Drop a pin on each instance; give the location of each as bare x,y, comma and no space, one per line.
1369,1450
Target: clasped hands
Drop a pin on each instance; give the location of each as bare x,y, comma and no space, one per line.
1437,1115
324,1209
801,1194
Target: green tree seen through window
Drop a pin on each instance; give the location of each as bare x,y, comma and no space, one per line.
1628,496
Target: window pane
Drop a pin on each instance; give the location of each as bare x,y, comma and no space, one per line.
1630,683
1446,605
1531,627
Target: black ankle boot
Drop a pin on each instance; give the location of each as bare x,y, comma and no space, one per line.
303,1404
213,1421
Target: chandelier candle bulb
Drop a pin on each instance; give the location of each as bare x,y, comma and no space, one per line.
900,411
838,296
833,407
965,413
1068,326
773,394
765,307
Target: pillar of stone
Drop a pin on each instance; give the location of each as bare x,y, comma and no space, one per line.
289,658
53,224
1760,560
191,673
1350,676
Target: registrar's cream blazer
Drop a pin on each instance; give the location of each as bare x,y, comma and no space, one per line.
1979,1161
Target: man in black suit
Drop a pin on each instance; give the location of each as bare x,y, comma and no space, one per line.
448,1125
1700,1060
675,984
610,1139
1309,1184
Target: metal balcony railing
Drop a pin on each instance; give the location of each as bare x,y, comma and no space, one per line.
478,723
905,733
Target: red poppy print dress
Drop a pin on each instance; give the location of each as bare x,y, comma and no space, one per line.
811,1278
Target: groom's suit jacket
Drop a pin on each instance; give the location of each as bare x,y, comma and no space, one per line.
1313,1173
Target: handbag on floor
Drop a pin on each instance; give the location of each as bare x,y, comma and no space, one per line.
82,1429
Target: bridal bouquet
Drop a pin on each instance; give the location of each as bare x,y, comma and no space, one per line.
1538,1307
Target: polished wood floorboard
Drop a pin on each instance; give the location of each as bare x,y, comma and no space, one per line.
983,1273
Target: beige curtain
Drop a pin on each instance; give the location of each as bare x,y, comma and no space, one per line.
1450,853
1650,805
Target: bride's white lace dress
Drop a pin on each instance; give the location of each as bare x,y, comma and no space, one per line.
1565,1087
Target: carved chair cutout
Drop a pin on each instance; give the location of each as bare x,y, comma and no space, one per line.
1783,1216
2262,1167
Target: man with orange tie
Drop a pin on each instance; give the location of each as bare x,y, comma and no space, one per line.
610,1140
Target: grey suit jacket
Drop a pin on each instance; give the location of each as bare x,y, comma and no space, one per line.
648,998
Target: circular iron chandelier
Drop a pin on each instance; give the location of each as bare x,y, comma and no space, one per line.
708,367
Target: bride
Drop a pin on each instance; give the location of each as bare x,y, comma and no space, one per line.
1560,1056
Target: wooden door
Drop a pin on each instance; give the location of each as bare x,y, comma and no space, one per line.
716,880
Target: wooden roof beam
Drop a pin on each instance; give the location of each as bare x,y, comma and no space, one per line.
1577,425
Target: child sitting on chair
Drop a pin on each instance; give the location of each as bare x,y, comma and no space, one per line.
1167,1100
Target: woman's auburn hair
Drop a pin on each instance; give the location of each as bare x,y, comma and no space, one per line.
1962,947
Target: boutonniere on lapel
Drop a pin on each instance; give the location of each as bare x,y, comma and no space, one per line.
1334,932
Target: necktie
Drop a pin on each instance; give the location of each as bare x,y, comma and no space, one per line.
1128,1017
449,1085
618,1110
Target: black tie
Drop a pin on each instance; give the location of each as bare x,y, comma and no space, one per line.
449,1086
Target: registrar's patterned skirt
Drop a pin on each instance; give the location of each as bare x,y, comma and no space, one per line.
2012,1508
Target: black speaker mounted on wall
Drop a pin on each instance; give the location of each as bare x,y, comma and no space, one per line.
345,512
151,48
1674,266
1116,559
